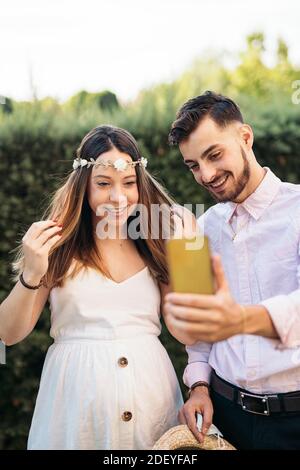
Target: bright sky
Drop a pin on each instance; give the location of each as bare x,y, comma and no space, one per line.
63,46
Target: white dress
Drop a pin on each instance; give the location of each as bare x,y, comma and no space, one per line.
107,381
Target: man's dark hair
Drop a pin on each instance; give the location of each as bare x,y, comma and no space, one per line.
218,107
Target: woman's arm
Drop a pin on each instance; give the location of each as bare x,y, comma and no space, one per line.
20,311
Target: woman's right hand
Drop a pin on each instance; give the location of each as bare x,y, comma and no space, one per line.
185,223
37,242
199,402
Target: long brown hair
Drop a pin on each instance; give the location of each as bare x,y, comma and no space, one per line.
69,204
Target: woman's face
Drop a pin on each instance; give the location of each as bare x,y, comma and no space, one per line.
112,194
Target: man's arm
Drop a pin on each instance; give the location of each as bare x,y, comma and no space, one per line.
257,321
212,318
284,313
278,315
198,367
199,400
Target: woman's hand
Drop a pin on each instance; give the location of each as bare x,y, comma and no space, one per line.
185,224
37,242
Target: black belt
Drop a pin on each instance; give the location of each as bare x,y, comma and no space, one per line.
258,404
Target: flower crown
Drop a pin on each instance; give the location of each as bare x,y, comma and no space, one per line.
120,164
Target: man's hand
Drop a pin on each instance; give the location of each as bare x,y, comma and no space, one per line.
208,318
199,402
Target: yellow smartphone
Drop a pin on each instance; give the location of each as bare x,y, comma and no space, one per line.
190,267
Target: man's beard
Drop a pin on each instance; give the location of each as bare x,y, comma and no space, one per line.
239,186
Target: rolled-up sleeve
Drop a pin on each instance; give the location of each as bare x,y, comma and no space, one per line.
284,311
198,367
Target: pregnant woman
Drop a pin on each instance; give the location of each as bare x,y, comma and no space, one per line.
107,381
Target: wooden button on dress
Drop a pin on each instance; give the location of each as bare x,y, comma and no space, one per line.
123,362
126,416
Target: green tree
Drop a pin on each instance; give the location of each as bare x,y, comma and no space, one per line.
105,100
251,76
6,105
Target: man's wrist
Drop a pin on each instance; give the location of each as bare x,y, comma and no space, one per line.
255,320
201,384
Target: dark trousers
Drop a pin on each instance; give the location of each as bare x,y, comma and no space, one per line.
246,430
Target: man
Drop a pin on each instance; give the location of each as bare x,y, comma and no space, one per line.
244,353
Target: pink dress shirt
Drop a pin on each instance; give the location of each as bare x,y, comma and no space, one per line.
262,266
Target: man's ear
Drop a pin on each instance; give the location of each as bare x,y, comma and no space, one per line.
247,136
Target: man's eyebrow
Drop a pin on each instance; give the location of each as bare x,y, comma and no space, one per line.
204,154
208,150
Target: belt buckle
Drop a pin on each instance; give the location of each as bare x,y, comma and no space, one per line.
264,402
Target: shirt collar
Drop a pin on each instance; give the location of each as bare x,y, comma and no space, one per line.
260,199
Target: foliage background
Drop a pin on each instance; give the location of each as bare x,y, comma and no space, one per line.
37,144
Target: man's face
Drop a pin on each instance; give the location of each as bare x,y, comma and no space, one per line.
218,159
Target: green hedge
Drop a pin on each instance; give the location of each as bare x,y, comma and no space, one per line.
37,147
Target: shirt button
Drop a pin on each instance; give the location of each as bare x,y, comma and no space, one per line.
126,416
251,374
123,362
239,210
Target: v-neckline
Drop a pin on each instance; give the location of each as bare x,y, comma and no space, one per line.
129,278
112,281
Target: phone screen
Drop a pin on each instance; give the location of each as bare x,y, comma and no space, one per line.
190,267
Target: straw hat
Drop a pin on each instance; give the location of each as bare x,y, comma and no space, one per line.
180,437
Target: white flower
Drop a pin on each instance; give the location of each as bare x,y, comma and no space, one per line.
120,164
144,162
79,162
76,164
91,162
